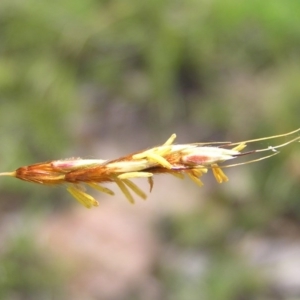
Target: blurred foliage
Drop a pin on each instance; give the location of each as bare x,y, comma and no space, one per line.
27,272
228,278
212,69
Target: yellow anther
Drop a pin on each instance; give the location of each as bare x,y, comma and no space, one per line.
219,174
170,140
135,188
124,189
135,175
159,159
100,188
195,179
240,146
85,199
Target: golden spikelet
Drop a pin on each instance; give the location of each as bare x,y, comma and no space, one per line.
193,160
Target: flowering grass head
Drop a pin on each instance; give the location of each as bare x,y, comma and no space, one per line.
193,160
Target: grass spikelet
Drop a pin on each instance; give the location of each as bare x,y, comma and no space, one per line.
193,159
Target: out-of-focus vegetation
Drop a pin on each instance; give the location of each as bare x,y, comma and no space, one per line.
27,274
77,76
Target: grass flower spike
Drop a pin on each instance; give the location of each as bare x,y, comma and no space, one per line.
193,160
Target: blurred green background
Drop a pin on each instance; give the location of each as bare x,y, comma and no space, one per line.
103,78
